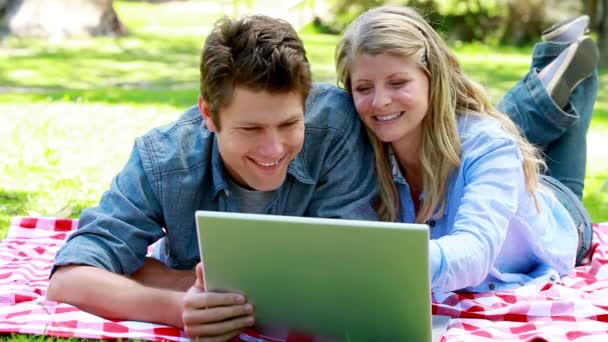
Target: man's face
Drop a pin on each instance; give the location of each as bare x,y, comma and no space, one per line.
260,134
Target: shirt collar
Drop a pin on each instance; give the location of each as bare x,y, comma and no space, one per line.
297,168
220,183
395,169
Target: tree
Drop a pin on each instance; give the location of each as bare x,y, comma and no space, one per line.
598,13
525,21
471,20
603,34
59,18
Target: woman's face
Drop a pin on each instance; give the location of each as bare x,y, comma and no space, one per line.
391,95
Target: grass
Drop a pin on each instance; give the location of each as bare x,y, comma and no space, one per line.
70,110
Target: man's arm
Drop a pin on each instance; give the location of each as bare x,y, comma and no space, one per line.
347,185
91,270
156,274
114,296
154,294
102,268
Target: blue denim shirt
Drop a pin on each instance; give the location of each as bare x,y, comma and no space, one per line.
491,235
176,169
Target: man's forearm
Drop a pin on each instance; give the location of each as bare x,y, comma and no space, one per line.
156,274
114,296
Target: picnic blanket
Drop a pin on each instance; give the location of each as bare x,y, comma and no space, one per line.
574,310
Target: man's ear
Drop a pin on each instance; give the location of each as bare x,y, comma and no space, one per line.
205,110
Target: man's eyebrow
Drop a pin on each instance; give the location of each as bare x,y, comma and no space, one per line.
291,119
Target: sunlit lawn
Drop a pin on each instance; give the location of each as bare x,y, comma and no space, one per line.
69,111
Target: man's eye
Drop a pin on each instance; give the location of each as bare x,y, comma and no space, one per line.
289,124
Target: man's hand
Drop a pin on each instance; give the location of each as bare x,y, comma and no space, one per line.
213,316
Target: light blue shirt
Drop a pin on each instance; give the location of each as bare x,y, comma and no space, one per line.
491,235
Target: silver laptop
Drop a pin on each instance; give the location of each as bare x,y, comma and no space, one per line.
334,279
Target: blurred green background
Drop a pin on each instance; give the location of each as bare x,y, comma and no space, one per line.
71,108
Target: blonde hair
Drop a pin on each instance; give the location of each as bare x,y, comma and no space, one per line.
401,31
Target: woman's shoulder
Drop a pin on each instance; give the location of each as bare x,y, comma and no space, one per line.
482,133
472,124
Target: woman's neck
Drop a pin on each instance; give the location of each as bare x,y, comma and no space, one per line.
407,152
408,155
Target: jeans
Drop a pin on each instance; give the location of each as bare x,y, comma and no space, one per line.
561,134
577,211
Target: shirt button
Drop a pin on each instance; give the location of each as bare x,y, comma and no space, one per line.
552,278
492,287
431,223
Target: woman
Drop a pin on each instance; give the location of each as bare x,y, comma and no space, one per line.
447,157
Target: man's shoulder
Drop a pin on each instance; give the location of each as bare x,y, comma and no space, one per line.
329,108
188,122
177,146
332,129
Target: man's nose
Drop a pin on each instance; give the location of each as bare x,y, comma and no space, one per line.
272,146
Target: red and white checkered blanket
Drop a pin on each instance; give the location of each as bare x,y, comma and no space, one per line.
575,310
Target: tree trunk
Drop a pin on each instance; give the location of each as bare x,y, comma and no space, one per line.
591,9
525,21
57,19
602,30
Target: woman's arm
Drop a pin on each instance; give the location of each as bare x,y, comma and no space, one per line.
493,180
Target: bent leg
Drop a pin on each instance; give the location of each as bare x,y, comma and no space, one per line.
560,133
530,106
566,157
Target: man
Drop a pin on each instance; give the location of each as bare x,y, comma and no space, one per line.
252,145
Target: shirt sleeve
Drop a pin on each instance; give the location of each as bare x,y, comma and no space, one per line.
116,234
347,186
493,179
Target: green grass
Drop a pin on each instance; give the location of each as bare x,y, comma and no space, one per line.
70,110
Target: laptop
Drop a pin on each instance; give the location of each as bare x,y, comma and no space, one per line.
336,280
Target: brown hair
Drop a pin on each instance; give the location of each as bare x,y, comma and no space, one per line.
255,52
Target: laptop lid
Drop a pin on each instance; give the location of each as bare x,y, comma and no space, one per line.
341,279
